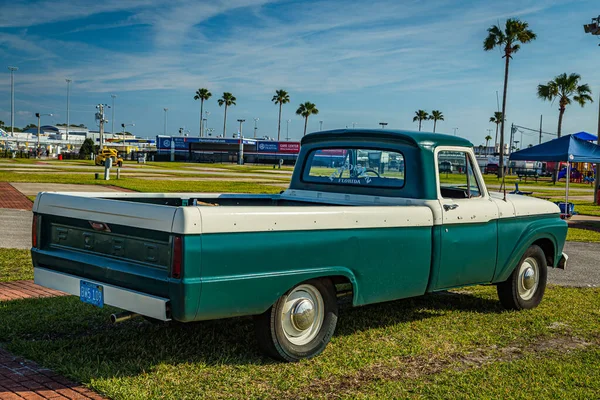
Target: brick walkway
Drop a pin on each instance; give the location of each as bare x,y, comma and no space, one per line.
19,290
22,379
12,198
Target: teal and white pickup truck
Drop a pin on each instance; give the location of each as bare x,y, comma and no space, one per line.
369,217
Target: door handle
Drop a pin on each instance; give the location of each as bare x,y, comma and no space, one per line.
449,207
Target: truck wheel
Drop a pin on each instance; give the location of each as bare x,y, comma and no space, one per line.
300,324
525,287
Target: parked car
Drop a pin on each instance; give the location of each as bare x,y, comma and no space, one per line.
109,153
350,231
491,169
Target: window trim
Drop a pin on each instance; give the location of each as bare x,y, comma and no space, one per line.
483,193
306,170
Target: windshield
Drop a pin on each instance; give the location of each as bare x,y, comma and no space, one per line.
355,166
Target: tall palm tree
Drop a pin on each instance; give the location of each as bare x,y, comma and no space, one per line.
564,88
420,115
228,100
507,40
487,140
202,94
496,119
281,97
436,115
306,110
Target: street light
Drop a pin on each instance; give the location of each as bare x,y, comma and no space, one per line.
123,126
112,128
38,115
12,100
320,125
68,87
241,157
165,109
255,126
455,129
287,130
383,124
354,124
205,119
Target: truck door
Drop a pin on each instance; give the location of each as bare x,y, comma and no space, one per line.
469,231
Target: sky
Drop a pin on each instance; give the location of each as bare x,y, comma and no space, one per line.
359,62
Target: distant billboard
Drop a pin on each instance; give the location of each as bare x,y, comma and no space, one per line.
278,147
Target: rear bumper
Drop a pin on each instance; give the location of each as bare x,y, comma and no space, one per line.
126,299
562,263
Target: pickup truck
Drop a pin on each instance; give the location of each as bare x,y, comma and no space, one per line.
367,218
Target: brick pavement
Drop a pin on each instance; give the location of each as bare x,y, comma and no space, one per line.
12,198
19,290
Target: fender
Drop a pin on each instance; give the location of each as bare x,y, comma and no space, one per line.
531,230
252,294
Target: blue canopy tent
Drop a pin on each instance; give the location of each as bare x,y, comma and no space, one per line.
586,136
569,148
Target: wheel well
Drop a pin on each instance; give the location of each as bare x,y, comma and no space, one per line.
344,288
548,248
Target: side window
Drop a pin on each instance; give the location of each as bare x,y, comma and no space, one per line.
457,176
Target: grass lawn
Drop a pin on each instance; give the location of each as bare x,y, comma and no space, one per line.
15,265
583,235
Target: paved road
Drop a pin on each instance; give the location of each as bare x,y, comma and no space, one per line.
583,268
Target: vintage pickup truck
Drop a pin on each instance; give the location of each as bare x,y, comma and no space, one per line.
368,217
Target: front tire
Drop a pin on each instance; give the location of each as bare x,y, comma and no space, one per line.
525,287
300,324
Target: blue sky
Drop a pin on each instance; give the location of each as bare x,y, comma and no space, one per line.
361,62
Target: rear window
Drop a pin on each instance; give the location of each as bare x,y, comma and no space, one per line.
355,166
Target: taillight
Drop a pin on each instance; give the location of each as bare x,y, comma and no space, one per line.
177,257
34,231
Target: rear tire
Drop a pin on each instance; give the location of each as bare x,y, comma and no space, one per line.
525,287
300,324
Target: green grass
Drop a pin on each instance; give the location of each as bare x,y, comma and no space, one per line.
583,235
15,265
445,345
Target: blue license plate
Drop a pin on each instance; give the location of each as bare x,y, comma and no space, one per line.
91,293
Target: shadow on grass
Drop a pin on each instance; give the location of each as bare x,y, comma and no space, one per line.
77,340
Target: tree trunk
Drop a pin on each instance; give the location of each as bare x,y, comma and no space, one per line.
560,118
305,123
279,123
225,122
486,147
419,125
434,124
201,113
496,139
501,161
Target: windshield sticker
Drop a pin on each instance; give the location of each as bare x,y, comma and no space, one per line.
356,172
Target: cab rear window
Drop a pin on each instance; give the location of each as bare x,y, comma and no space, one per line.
355,166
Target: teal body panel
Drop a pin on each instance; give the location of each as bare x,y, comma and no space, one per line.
467,254
245,273
515,235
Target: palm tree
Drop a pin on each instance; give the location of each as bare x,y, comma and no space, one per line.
436,115
562,88
507,40
281,97
420,116
497,119
305,110
228,100
487,140
202,94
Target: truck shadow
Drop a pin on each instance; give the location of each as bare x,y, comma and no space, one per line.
41,329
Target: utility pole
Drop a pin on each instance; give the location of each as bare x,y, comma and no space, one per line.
12,100
241,156
455,129
101,120
596,180
255,126
541,119
38,115
320,125
68,87
354,124
287,130
205,120
112,128
383,124
166,110
123,126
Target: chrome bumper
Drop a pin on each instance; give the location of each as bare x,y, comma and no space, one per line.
562,263
126,299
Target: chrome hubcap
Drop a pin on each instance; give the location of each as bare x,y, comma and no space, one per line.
302,314
529,277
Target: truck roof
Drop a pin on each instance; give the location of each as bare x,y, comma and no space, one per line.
421,139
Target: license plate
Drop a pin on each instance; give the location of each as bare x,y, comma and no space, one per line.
91,293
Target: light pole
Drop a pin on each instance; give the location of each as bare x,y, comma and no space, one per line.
112,128
455,129
166,110
123,126
320,125
287,130
594,29
12,100
255,126
241,157
383,124
68,87
38,115
205,120
354,124
101,121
